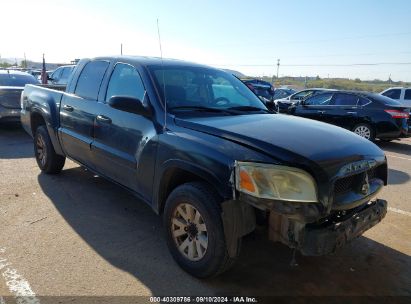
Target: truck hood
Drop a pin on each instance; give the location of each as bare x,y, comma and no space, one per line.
290,139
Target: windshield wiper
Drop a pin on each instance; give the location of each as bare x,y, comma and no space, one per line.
248,108
200,108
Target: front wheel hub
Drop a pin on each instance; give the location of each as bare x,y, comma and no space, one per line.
192,230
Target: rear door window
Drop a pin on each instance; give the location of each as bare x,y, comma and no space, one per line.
88,84
393,93
407,94
341,99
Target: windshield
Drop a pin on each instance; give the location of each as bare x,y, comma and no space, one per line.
188,87
280,93
16,80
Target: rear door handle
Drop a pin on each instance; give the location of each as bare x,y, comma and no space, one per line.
68,108
353,113
321,112
102,118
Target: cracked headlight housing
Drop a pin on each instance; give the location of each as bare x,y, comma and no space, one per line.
275,182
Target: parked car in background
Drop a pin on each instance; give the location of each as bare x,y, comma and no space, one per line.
400,94
281,93
35,73
263,89
61,75
11,85
366,114
283,104
213,161
38,75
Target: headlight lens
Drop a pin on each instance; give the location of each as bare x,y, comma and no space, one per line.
275,182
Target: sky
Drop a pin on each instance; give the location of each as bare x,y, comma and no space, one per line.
351,38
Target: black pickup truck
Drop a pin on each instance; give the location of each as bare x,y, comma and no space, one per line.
204,152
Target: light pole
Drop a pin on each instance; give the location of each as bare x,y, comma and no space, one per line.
278,66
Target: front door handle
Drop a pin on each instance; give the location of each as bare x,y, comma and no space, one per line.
68,108
352,113
102,118
321,112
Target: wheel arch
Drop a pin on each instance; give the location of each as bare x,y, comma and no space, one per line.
38,118
176,172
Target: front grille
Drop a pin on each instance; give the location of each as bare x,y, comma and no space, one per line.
347,184
355,181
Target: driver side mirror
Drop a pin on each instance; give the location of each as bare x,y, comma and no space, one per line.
129,104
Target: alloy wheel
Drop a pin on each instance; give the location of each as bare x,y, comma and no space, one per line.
363,131
189,232
41,150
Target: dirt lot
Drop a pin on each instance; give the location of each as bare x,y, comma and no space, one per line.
75,234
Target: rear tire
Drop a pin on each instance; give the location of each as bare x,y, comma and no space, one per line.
192,218
47,159
365,131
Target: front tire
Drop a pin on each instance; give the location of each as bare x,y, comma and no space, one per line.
365,130
47,159
194,230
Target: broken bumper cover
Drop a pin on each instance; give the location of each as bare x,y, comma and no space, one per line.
322,240
303,212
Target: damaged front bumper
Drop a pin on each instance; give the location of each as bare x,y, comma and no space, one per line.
322,237
329,234
327,237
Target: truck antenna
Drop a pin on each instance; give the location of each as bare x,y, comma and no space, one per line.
164,83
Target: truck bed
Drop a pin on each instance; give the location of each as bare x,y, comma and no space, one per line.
43,99
57,87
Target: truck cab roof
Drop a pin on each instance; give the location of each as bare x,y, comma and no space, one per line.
146,60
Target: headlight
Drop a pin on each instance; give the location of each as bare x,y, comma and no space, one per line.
275,182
